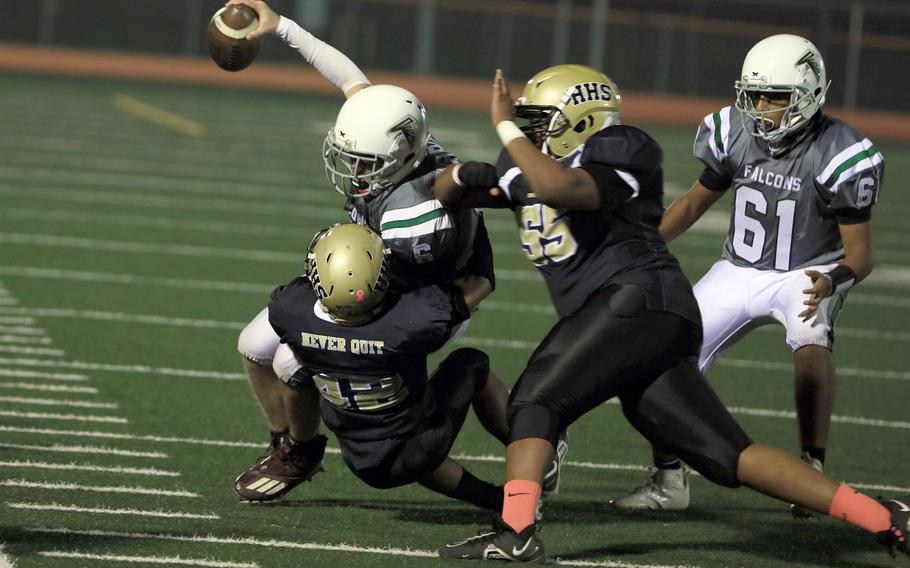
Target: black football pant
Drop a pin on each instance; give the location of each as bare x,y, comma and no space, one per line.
453,387
614,347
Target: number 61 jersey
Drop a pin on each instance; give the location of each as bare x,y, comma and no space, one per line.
787,209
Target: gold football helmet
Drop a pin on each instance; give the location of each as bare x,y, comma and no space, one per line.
566,104
348,267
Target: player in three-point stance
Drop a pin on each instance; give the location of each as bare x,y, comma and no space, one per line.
799,238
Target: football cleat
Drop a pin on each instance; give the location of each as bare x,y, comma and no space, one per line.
802,513
897,537
281,471
550,483
499,543
666,489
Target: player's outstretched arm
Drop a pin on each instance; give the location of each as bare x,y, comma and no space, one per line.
859,258
686,210
331,63
469,185
552,183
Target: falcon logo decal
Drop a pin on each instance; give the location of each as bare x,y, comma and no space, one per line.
406,128
811,61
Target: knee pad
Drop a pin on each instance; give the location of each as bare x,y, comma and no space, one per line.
532,421
474,362
258,342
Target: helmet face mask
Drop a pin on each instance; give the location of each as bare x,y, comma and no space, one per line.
348,268
781,65
379,138
565,105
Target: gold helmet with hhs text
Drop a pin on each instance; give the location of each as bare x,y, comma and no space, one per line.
565,105
348,267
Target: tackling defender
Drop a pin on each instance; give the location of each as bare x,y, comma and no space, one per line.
381,156
365,348
799,237
587,195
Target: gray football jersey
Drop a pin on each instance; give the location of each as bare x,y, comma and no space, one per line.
429,243
786,210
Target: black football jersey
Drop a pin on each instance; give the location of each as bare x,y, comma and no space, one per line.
580,251
372,377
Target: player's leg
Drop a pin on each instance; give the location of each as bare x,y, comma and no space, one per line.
463,379
602,349
723,300
297,457
257,345
815,382
679,410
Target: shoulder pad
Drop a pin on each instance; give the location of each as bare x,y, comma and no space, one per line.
504,163
624,147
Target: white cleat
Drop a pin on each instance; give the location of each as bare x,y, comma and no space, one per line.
800,512
550,484
666,490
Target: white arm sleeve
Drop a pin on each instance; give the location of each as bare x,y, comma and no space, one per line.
334,65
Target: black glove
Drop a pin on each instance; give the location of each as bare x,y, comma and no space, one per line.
476,174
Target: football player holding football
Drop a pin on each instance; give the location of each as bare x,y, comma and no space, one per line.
364,347
381,156
586,192
803,185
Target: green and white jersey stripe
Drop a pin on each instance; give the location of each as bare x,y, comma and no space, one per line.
858,158
717,127
787,209
422,219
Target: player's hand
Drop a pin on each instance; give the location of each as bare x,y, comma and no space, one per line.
268,19
502,107
821,288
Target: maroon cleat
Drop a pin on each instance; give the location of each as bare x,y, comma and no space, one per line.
285,468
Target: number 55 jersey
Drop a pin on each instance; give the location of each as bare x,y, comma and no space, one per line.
787,207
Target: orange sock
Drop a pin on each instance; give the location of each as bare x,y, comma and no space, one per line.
861,510
520,503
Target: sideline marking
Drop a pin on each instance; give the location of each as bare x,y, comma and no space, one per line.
158,116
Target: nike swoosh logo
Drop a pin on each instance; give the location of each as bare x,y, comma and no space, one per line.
903,506
516,494
519,551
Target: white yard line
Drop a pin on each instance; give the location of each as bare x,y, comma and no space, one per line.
21,483
31,350
170,560
249,541
330,450
56,402
15,320
48,388
22,330
478,341
109,511
84,450
25,340
19,374
151,471
72,417
140,369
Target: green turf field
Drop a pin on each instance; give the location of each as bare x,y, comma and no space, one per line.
134,246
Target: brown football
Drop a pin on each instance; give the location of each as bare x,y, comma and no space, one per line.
226,37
